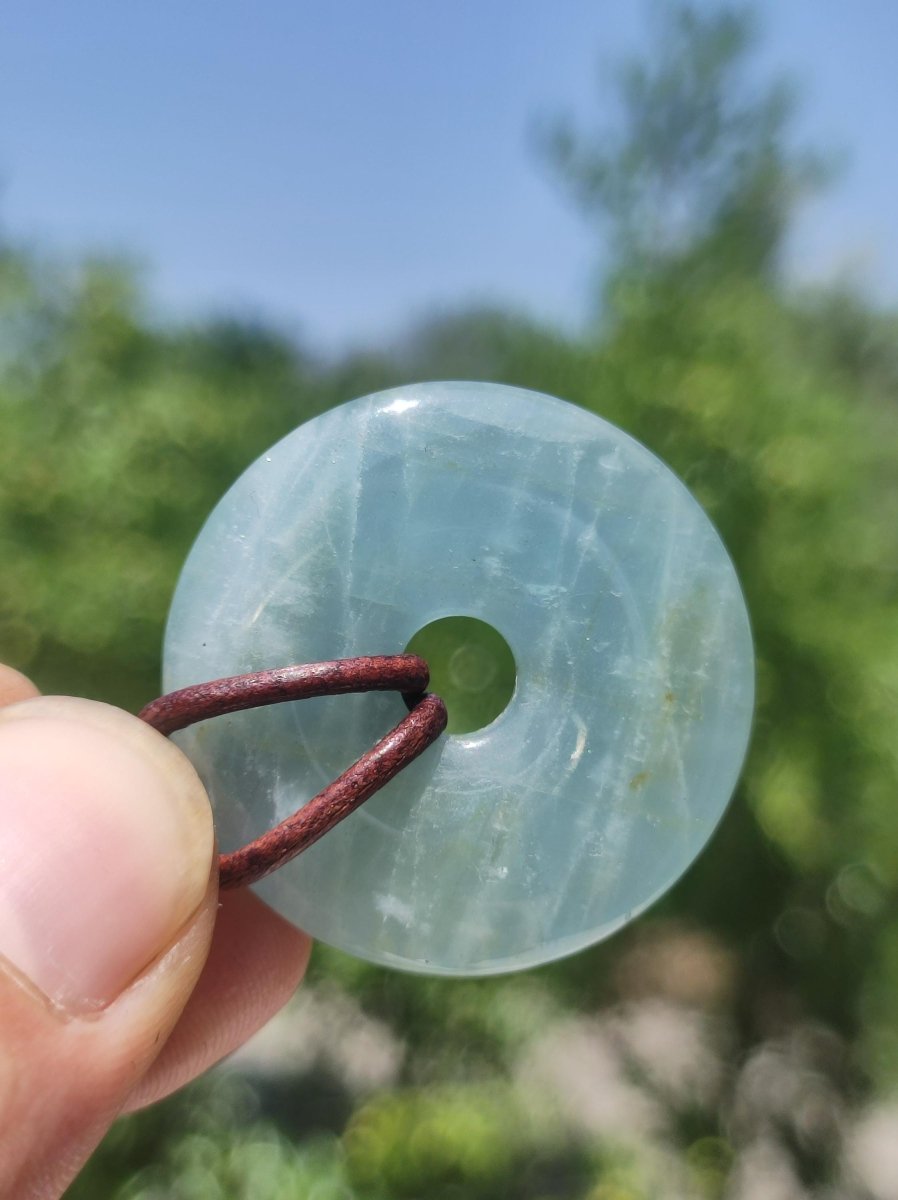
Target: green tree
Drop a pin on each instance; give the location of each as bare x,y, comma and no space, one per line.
699,166
117,440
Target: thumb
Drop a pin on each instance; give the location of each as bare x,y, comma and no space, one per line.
107,902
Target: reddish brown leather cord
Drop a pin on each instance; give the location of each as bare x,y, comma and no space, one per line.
406,673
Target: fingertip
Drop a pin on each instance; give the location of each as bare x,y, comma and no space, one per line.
107,843
14,686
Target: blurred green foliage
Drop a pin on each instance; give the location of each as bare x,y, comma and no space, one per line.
778,954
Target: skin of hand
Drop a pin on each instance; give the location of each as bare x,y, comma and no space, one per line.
123,974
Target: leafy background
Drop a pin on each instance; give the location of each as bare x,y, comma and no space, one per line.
741,1040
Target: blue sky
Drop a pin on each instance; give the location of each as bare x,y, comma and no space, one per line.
343,167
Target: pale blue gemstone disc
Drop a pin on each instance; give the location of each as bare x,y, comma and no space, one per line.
606,774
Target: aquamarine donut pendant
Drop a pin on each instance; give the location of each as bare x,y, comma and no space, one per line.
592,791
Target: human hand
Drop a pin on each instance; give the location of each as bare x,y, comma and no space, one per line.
122,973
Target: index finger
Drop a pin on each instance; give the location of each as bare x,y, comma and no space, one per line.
14,686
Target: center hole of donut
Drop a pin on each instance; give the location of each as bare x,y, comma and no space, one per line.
471,667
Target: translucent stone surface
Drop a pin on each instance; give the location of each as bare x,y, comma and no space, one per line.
603,778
